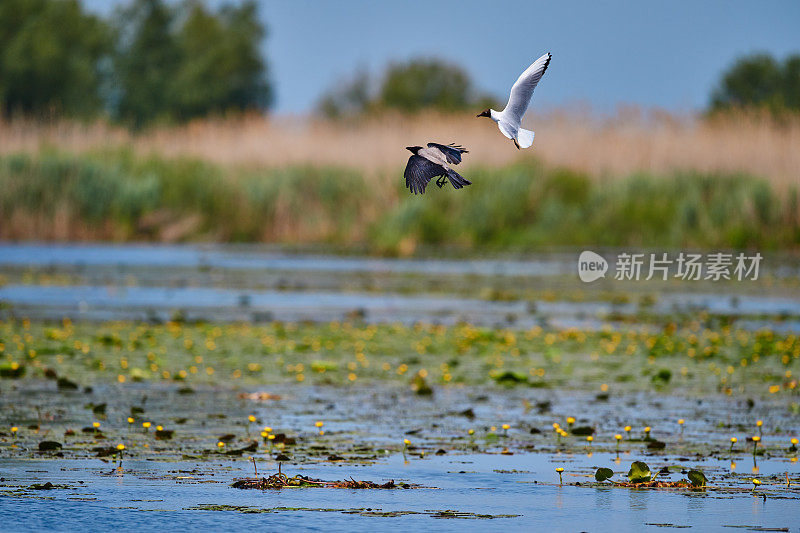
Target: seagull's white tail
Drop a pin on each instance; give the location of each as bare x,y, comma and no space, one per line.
524,138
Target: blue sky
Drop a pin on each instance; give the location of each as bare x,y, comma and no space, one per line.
661,54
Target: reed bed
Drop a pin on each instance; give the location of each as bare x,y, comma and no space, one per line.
119,195
613,146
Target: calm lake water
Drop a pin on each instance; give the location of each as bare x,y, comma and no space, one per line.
168,484
490,481
219,283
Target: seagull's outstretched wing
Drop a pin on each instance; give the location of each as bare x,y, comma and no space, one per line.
451,151
419,171
522,91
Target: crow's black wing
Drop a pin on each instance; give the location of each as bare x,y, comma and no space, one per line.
451,151
419,172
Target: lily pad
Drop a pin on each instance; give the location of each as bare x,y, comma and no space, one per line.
603,474
12,371
639,472
66,384
697,478
510,378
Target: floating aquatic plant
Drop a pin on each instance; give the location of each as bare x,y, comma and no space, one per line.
639,476
639,472
282,481
603,474
697,478
120,451
756,439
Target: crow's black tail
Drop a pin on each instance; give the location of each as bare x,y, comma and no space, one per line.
457,179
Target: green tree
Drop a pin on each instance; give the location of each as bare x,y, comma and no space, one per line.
421,83
222,68
353,97
50,51
760,81
409,87
178,63
145,63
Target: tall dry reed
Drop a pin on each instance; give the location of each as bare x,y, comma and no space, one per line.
602,146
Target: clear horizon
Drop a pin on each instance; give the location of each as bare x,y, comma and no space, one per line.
664,55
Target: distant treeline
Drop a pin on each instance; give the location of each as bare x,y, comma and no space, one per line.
760,81
408,87
171,61
152,61
120,196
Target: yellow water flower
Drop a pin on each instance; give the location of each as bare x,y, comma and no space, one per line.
159,428
95,425
406,442
251,418
120,447
220,444
618,436
319,424
472,432
130,420
506,427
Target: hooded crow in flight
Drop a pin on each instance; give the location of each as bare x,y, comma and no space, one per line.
431,162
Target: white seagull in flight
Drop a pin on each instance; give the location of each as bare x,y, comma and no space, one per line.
509,120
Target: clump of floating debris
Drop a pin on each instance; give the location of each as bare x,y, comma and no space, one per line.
282,481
